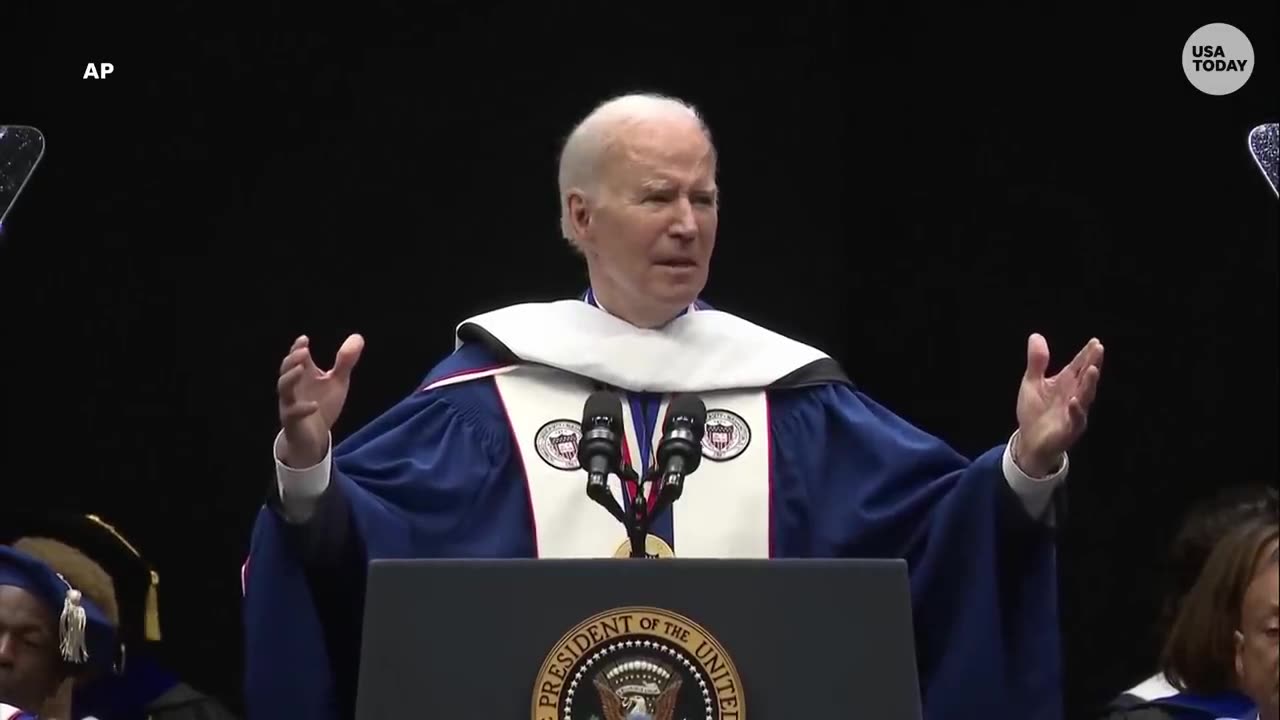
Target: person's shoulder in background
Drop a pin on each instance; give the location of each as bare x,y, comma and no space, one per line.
183,702
1139,711
1133,704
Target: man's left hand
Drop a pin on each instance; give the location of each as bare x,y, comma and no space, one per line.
1053,411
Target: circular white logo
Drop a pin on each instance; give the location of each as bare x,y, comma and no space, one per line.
726,435
1218,59
557,443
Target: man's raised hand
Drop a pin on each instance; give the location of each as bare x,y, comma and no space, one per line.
1053,411
310,399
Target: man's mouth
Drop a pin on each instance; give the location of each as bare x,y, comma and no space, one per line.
678,262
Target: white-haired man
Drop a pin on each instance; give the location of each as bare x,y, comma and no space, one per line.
799,463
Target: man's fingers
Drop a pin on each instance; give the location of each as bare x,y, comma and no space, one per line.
293,359
1076,411
348,355
288,383
301,356
298,411
1088,388
301,342
1089,355
1096,360
1037,356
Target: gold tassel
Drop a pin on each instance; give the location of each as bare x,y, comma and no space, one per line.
153,609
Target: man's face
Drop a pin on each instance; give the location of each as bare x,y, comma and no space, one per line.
30,666
648,239
1258,641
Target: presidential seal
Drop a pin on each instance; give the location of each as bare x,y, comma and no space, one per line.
726,435
638,663
557,443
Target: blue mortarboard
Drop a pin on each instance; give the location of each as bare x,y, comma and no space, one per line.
85,636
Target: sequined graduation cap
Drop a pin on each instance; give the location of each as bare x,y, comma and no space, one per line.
85,635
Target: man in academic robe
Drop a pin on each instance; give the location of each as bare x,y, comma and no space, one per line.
479,460
51,635
96,557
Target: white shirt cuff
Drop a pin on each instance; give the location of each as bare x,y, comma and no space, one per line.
1035,493
300,489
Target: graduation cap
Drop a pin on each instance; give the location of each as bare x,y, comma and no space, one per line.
86,637
84,547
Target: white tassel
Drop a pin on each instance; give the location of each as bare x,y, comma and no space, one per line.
72,626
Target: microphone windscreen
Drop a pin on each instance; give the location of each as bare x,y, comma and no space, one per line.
602,404
689,406
1264,145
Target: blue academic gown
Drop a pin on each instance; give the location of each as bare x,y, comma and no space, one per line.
1192,706
439,475
124,697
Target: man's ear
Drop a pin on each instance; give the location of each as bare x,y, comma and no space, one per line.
579,215
1239,637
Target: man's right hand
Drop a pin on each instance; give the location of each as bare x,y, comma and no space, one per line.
311,399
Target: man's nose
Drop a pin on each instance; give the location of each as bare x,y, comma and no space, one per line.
685,224
7,644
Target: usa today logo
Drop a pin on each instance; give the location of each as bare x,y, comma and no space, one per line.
1218,59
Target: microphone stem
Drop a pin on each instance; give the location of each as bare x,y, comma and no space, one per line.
598,490
641,519
667,492
638,528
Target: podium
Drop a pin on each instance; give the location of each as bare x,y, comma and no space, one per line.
638,639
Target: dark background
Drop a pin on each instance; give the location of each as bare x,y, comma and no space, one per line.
914,190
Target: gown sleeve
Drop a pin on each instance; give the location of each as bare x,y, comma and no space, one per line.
854,480
416,482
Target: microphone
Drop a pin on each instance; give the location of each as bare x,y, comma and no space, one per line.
600,449
680,450
21,148
1264,146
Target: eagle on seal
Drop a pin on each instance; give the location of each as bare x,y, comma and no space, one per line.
637,707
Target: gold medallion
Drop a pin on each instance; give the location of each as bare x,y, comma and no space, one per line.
654,547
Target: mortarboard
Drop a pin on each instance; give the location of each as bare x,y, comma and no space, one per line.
85,636
135,581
